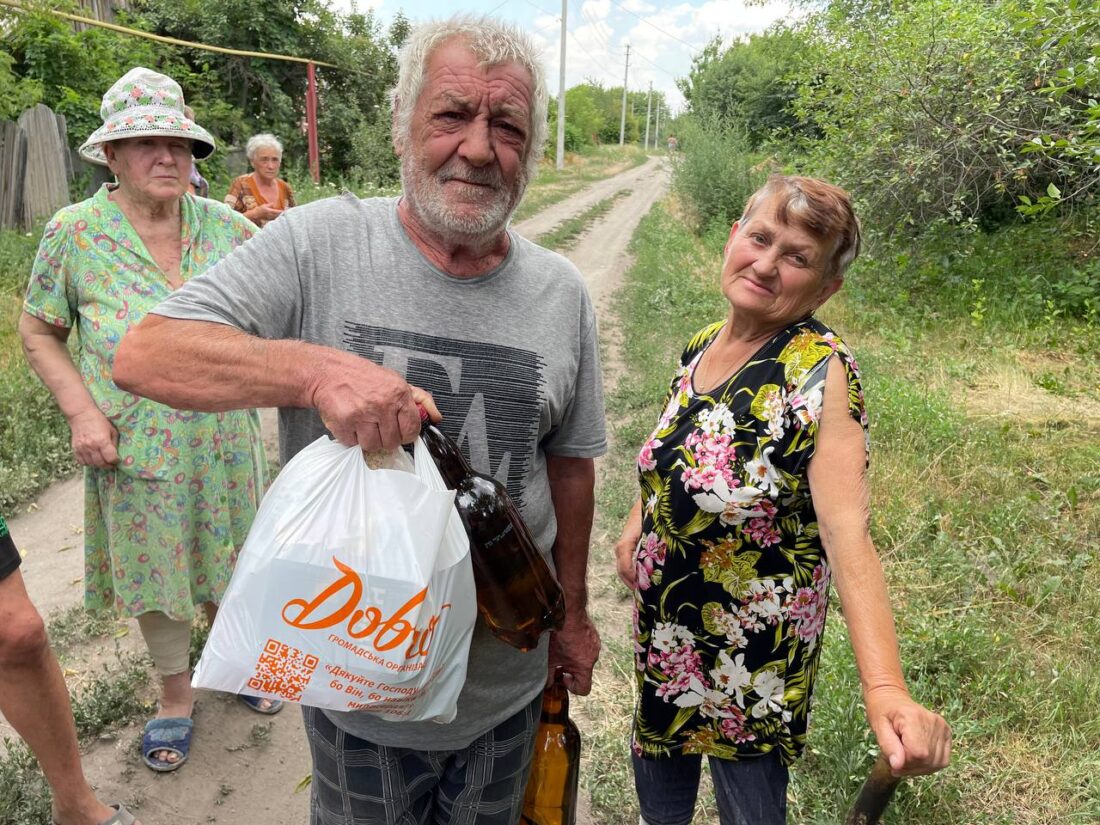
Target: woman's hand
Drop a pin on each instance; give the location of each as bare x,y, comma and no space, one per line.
624,561
262,214
626,546
94,439
913,739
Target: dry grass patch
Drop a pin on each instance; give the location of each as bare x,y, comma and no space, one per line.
1013,390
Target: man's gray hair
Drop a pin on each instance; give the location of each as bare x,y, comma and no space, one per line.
264,140
493,43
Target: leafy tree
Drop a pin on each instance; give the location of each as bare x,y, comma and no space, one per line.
256,94
950,109
67,70
16,93
752,85
235,97
1068,35
584,117
264,95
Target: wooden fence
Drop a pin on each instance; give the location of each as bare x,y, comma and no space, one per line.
36,167
100,10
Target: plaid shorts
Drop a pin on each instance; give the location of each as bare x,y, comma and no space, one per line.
356,782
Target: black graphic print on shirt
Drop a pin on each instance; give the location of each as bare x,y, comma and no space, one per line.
489,394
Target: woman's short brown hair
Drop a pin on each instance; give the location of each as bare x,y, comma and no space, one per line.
820,208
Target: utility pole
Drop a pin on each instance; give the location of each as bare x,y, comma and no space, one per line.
648,101
560,163
626,74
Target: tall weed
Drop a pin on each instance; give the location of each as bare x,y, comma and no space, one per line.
715,173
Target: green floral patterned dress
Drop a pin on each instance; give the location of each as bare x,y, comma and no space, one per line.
733,583
162,530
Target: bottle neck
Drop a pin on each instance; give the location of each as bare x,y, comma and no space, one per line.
447,455
555,703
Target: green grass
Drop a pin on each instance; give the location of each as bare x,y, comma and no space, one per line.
24,794
113,699
76,625
565,235
986,504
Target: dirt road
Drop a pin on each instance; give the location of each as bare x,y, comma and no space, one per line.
245,768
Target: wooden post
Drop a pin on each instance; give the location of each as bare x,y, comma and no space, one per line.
311,124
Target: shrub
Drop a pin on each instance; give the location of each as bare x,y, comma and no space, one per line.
954,109
714,171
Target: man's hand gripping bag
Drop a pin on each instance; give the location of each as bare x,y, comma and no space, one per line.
353,591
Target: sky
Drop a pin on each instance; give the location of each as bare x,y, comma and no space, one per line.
663,36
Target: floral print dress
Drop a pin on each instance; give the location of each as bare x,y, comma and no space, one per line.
162,530
732,580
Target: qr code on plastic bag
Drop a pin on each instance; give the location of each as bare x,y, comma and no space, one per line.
283,670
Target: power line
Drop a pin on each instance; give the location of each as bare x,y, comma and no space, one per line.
599,65
540,8
655,66
596,24
658,28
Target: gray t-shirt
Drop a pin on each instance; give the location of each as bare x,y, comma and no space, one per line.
510,357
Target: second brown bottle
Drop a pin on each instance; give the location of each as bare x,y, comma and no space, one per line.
517,595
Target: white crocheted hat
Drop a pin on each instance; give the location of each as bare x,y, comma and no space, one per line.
144,102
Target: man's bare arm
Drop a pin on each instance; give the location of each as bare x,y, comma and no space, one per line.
200,365
577,645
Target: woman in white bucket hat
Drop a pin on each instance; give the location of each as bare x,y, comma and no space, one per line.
169,494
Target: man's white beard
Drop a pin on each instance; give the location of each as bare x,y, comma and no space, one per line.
428,200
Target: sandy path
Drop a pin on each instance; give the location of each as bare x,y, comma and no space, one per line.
245,768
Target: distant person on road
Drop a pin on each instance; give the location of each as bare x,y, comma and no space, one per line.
261,196
673,144
168,494
371,307
753,498
35,700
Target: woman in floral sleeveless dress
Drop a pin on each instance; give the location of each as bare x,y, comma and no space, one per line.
753,499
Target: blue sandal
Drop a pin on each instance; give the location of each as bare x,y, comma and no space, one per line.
256,703
168,734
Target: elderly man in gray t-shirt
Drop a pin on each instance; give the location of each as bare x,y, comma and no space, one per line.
347,314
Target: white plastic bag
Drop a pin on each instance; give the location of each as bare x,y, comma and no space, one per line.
353,591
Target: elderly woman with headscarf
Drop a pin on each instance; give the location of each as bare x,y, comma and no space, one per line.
169,494
262,195
753,497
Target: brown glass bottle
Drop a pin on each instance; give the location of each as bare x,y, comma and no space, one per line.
517,595
552,785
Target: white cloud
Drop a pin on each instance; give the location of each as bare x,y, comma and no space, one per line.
597,9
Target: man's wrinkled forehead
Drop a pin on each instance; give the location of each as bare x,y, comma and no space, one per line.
454,62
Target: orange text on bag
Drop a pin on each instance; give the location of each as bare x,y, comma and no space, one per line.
363,623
